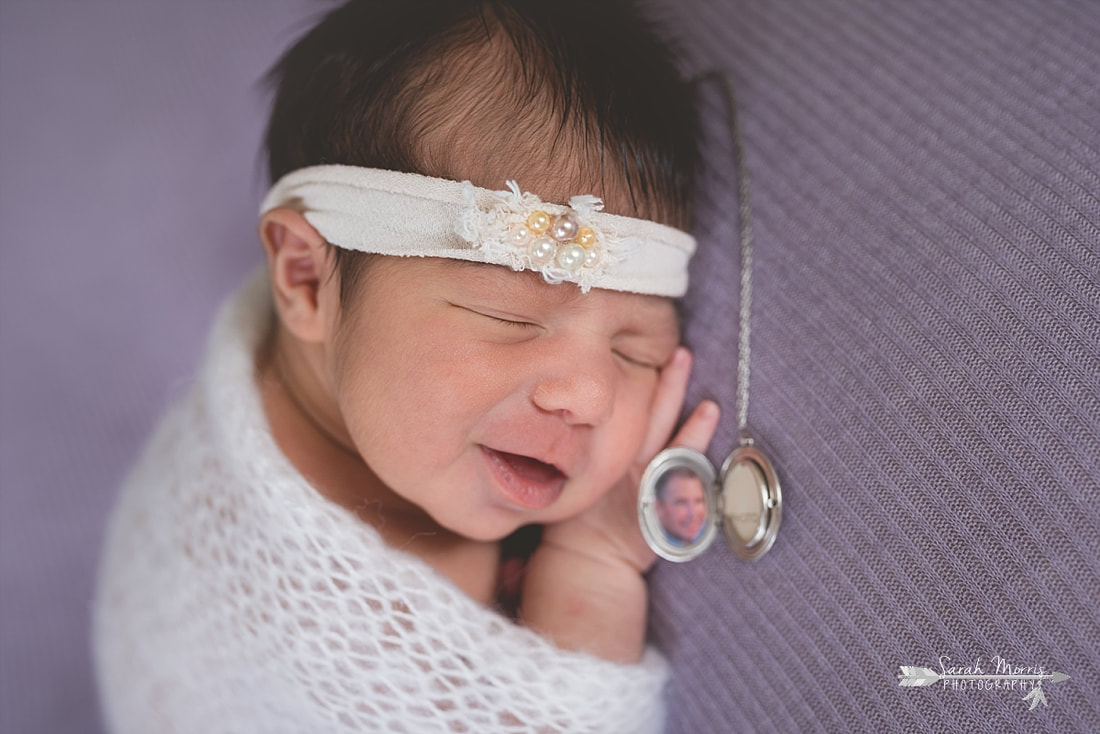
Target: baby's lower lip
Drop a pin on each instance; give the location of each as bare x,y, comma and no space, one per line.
524,481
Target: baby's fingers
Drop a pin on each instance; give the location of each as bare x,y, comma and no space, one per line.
699,428
667,403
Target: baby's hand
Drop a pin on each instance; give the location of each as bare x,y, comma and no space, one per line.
584,587
609,530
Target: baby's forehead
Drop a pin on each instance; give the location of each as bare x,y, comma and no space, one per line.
500,280
527,292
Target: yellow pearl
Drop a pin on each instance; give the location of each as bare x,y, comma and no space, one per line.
538,222
586,237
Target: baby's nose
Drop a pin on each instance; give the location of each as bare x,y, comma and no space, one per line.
582,391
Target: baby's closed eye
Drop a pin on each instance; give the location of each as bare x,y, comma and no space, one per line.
641,360
516,323
651,352
494,318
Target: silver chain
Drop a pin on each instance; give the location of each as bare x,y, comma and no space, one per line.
744,349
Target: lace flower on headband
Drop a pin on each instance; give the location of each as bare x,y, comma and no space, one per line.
522,231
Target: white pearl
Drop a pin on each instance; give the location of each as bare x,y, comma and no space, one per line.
542,250
565,228
591,258
571,257
519,234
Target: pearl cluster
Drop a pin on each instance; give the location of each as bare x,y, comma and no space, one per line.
557,240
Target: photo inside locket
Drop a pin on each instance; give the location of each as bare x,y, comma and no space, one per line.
677,504
680,501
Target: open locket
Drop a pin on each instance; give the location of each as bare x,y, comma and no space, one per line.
683,503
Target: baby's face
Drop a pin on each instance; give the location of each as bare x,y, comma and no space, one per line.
492,399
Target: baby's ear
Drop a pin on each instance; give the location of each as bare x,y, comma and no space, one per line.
299,261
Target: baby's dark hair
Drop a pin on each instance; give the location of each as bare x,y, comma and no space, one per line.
578,90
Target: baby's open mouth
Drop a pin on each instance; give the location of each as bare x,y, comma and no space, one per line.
526,481
531,468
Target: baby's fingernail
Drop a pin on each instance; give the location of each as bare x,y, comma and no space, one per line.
708,409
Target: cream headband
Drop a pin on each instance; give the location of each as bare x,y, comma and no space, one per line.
409,215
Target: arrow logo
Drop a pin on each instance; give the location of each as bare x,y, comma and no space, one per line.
912,676
1036,697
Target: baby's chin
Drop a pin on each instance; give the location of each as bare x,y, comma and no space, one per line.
494,521
492,527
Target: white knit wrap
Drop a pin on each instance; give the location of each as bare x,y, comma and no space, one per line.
406,214
234,598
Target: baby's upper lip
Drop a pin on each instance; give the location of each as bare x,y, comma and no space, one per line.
547,456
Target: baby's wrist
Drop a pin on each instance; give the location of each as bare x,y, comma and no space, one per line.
586,601
583,539
581,544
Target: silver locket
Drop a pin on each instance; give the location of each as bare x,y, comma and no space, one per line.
683,503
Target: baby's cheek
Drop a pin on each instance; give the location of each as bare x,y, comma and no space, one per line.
642,400
633,425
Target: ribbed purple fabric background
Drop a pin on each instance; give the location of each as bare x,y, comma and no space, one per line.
926,352
925,361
